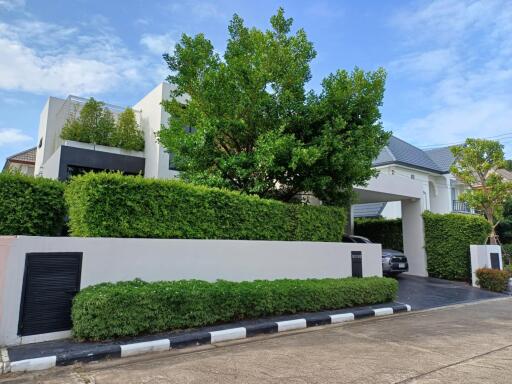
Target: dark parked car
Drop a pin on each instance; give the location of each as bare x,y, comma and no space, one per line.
393,262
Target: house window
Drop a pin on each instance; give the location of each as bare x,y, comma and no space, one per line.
172,164
40,143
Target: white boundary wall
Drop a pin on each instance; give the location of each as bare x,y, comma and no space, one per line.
481,258
108,259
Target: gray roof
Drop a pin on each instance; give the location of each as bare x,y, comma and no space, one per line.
400,152
443,157
368,209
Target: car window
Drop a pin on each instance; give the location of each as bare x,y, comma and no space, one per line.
347,239
359,240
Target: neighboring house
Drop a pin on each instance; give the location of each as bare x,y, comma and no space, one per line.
22,162
431,168
60,159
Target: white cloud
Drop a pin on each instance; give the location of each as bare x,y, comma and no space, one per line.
425,63
12,4
459,56
12,136
158,44
198,9
46,58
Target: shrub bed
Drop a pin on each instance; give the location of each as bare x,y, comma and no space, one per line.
131,308
492,279
447,241
30,205
112,205
384,231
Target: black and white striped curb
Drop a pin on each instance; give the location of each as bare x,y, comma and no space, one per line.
192,339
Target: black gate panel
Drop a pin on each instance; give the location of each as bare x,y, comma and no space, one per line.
50,282
357,264
495,260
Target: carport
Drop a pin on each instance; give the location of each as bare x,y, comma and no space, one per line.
385,188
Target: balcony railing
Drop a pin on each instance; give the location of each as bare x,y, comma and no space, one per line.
461,207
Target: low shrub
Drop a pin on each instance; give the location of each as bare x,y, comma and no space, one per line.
492,279
30,205
387,232
135,307
112,205
447,241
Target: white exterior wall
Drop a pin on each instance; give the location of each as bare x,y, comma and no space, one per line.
50,126
436,190
106,259
153,116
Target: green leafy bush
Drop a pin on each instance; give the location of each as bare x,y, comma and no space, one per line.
112,205
492,279
96,124
131,308
447,241
383,231
30,206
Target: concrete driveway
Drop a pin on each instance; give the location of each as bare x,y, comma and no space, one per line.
467,344
427,292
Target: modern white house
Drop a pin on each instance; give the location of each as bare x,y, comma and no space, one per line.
430,169
59,159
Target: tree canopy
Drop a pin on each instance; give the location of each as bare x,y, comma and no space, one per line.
96,124
476,162
255,127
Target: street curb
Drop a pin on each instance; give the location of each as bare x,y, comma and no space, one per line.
192,339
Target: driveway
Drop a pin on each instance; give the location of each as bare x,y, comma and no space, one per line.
427,292
467,344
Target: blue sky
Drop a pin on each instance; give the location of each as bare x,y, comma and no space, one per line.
449,62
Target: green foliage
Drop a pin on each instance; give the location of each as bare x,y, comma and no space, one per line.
492,279
257,130
475,164
383,231
30,206
96,124
447,241
112,205
504,227
127,134
132,308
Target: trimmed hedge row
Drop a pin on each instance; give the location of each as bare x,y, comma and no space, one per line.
384,231
447,241
132,308
30,205
112,205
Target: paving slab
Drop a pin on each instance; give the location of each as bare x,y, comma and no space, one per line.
428,292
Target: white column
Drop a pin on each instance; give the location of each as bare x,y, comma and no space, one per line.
414,237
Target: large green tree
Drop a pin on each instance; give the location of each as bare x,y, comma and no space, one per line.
476,162
255,127
94,124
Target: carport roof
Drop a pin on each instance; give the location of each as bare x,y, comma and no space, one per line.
400,152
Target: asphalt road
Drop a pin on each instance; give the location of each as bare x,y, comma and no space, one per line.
466,344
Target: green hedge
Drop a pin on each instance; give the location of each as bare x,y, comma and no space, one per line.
131,308
383,231
112,205
30,205
493,279
447,241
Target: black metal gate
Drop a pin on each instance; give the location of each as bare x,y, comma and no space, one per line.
50,282
357,264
